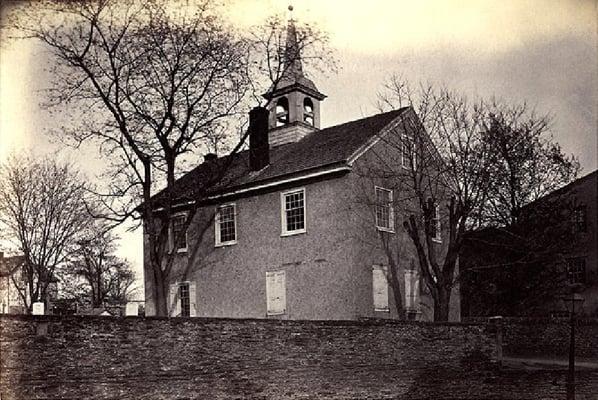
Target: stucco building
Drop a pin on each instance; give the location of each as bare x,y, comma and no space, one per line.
293,229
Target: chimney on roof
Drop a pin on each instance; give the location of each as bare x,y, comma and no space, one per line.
209,157
259,146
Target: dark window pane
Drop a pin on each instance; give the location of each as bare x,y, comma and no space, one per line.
576,270
179,237
185,301
295,211
227,223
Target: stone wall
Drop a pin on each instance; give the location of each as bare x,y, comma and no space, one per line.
79,357
549,337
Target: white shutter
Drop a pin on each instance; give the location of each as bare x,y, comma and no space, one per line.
174,302
411,289
380,288
192,299
171,299
276,292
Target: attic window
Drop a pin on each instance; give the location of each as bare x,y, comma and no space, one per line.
308,111
282,112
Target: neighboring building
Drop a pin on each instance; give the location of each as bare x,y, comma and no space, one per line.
13,285
11,281
567,222
292,231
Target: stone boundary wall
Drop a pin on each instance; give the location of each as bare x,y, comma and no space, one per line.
547,337
82,357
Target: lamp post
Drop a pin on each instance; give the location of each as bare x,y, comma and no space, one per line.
570,302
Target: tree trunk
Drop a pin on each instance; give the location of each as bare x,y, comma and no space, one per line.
442,304
160,292
396,290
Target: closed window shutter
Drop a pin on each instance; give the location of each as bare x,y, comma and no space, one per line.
411,289
408,290
380,288
192,299
276,292
173,300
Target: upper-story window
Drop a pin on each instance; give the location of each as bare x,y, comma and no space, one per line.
576,270
293,211
579,218
308,111
178,234
226,225
408,159
282,111
384,209
435,227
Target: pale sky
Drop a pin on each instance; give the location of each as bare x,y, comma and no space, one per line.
544,52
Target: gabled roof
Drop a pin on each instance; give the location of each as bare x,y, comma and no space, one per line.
318,151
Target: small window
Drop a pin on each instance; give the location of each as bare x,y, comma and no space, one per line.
380,288
435,227
282,112
276,298
308,111
576,270
407,153
293,212
384,209
579,218
178,235
184,299
226,225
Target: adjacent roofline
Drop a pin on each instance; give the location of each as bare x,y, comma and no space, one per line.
562,190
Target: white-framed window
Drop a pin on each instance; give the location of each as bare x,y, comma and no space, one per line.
408,159
436,228
178,234
380,287
292,204
225,225
181,299
184,299
276,297
384,209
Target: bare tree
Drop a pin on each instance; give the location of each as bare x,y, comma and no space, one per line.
42,210
525,162
161,80
453,174
107,279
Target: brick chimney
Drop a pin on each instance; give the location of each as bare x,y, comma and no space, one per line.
259,147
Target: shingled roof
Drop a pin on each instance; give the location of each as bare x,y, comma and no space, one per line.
327,148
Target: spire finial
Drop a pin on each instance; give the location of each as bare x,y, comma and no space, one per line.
292,51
